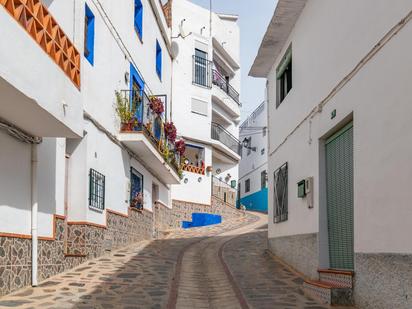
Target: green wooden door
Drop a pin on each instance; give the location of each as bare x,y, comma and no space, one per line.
339,194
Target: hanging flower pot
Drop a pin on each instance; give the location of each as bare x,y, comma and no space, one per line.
156,105
170,132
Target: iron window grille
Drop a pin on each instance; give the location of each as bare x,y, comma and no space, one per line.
280,212
263,179
96,189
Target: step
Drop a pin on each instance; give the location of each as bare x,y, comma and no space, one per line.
328,293
342,278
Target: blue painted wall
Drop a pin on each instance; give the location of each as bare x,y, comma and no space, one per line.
257,201
202,219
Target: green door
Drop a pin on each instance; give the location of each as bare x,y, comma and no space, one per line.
339,194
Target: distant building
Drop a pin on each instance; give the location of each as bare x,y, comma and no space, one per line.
253,190
339,155
206,103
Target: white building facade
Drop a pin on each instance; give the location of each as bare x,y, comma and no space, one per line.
253,191
76,181
339,160
206,102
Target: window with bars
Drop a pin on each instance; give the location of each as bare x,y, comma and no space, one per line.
280,211
96,189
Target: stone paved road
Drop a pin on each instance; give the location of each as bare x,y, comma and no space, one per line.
206,267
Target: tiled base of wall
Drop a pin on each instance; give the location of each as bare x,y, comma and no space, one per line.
299,251
87,241
383,281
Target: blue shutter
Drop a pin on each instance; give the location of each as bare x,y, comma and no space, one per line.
89,33
135,77
158,60
138,17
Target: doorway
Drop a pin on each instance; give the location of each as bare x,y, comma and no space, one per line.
339,198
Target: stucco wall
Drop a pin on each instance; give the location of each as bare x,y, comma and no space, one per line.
380,110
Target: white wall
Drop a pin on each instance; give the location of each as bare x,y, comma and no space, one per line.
325,47
191,125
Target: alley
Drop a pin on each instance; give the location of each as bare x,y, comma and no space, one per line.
221,266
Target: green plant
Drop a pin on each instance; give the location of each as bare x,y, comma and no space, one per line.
123,109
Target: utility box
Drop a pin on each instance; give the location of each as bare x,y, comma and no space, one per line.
302,189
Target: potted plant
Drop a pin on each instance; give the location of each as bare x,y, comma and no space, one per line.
137,201
156,105
125,112
170,132
180,147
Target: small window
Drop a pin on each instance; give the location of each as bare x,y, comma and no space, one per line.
138,18
136,188
284,77
96,189
262,152
89,35
158,60
247,185
264,131
280,212
263,179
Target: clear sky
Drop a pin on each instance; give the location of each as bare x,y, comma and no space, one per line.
254,17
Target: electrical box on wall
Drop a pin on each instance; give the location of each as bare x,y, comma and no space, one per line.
301,189
305,190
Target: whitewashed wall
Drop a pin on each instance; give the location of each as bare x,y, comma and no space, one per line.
377,97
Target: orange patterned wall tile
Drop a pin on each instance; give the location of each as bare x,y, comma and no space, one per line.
41,26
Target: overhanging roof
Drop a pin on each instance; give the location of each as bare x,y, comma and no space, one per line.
286,14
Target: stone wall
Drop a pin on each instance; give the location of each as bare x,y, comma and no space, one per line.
383,281
84,241
299,251
87,240
182,210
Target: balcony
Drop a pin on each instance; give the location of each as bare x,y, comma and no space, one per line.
145,135
220,81
226,142
40,74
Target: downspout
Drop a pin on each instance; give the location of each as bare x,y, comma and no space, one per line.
34,210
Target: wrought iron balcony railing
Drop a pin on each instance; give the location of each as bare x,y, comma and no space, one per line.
145,120
220,81
220,134
202,72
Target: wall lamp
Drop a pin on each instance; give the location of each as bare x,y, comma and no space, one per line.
246,143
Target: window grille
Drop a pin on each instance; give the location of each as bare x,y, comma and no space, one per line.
96,189
247,185
280,212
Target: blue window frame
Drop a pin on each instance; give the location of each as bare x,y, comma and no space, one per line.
136,183
136,92
138,18
89,35
158,60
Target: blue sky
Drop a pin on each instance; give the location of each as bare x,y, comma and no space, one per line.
254,17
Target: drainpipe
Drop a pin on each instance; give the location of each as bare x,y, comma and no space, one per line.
34,210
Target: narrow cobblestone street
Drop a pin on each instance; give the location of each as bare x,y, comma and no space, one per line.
222,266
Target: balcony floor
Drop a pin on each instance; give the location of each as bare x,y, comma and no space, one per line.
151,157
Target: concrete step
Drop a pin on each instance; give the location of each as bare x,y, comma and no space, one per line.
328,293
341,278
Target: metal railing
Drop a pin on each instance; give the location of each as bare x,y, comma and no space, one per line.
220,81
223,191
220,134
151,124
202,72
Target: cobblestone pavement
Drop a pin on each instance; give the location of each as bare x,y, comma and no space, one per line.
222,266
